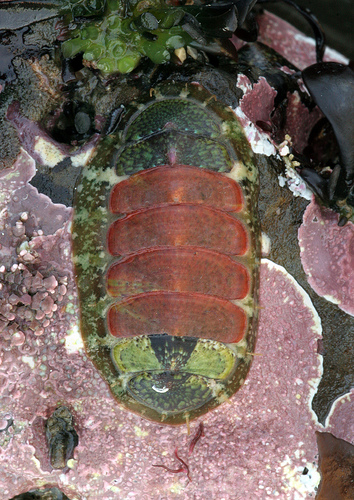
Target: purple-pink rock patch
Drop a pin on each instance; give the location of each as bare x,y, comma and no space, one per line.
290,42
327,255
258,102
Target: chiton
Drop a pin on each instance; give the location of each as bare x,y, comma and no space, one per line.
166,249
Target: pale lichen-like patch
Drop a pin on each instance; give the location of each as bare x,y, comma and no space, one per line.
49,153
73,340
294,181
139,432
266,244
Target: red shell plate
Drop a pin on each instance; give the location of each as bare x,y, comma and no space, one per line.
176,245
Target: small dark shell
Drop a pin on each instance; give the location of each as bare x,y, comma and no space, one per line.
61,437
46,494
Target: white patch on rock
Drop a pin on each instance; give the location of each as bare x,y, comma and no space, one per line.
312,479
259,140
82,159
29,360
49,153
300,484
73,340
295,183
265,244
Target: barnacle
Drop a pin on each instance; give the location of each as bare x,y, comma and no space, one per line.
116,41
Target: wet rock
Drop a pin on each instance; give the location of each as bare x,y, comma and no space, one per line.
336,463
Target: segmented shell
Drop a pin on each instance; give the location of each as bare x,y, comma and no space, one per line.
166,247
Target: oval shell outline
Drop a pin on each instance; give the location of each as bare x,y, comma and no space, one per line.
194,374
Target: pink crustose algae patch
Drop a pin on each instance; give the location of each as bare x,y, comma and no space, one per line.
327,255
261,441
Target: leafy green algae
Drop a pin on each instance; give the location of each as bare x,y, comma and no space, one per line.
122,32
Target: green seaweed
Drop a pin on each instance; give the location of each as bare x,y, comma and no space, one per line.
121,33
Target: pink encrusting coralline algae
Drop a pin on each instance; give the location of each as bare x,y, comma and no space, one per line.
262,441
327,255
